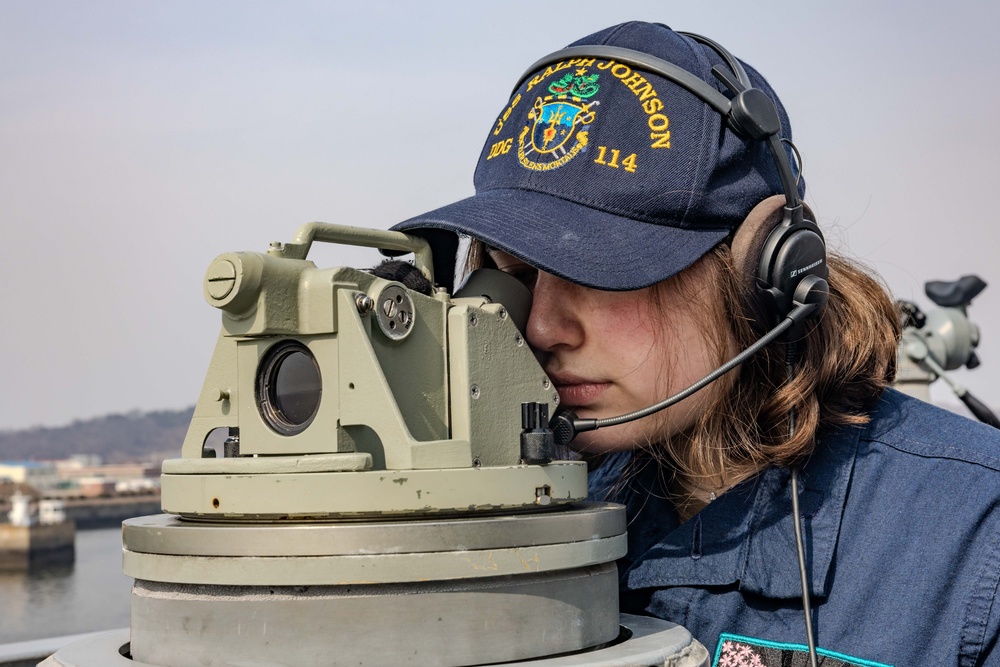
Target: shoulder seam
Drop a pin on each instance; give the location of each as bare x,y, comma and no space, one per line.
940,451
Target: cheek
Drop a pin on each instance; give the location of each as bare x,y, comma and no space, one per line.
657,361
697,350
692,355
628,334
646,390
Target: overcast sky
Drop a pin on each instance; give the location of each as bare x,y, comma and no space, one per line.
139,140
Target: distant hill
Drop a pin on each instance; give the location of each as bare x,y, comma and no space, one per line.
136,436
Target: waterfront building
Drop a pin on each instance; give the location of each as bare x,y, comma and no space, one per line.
41,475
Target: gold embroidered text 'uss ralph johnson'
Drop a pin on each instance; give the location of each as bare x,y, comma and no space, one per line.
658,122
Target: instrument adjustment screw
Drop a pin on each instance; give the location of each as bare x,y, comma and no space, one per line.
221,279
364,303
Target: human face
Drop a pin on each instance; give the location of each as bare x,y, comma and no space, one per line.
610,353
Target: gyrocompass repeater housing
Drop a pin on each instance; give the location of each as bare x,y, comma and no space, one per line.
346,394
375,485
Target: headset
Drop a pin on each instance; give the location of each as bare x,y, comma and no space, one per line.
778,250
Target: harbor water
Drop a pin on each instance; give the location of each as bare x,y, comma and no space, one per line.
91,594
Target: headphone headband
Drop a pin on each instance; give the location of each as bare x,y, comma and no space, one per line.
776,258
664,68
751,114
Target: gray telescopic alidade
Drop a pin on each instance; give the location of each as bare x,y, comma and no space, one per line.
941,340
385,494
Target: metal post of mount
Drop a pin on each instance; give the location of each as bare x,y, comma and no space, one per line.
977,407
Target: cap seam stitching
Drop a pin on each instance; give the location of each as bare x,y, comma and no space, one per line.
705,139
617,29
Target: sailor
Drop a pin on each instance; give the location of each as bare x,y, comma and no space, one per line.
658,222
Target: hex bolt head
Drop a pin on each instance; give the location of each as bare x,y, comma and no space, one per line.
221,279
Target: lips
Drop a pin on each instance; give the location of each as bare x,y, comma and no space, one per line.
575,391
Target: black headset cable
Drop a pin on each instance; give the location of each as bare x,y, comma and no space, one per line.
790,354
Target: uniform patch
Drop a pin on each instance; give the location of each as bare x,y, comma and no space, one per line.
558,132
737,651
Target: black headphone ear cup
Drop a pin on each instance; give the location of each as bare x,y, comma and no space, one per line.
748,241
746,248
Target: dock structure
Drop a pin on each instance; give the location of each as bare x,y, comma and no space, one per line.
36,534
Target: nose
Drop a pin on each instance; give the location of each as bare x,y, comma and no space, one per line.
554,322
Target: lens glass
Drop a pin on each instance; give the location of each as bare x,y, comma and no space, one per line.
289,387
297,388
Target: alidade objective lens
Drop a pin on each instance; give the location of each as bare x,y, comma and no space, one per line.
289,387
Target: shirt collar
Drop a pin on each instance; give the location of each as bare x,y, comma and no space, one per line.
747,536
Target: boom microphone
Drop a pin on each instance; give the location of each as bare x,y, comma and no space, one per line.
566,425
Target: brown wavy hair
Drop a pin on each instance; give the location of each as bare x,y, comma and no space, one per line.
845,361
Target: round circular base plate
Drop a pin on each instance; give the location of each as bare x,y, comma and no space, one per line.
373,493
642,641
166,548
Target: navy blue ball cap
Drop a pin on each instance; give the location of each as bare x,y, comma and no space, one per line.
609,176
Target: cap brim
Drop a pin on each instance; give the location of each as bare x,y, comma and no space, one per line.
577,243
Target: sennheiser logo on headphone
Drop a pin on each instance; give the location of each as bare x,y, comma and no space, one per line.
796,272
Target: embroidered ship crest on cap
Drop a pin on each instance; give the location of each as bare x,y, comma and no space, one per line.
558,133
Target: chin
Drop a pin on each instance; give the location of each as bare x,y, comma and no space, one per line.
605,442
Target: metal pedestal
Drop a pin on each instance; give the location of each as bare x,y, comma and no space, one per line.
644,641
525,588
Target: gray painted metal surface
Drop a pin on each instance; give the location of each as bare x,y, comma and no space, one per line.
168,534
447,591
379,568
646,642
465,622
